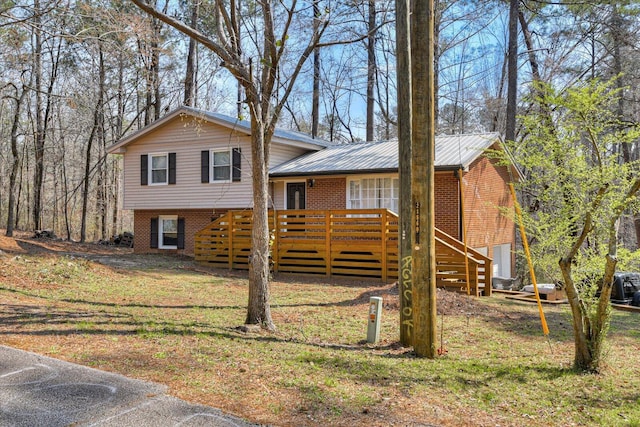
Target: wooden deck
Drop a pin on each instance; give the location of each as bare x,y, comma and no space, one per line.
354,242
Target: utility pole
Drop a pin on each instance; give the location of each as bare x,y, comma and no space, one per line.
422,176
405,242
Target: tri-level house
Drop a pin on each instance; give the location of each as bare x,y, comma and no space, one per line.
191,168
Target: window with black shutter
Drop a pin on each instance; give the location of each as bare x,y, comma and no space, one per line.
144,169
154,232
172,168
180,233
204,166
237,165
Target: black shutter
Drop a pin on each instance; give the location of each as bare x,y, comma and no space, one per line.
180,233
237,164
144,169
172,168
154,232
204,166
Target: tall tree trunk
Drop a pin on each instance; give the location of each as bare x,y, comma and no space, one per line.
258,308
95,129
39,137
617,27
371,70
11,208
315,101
115,191
19,185
437,19
43,113
512,60
190,72
67,194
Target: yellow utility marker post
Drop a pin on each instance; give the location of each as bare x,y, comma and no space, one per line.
543,320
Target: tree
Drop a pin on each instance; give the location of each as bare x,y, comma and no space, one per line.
581,189
267,86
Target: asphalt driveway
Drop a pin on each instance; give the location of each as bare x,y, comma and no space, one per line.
40,391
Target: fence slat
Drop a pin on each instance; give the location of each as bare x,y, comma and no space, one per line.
351,242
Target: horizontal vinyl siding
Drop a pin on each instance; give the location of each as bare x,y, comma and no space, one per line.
278,195
187,140
283,153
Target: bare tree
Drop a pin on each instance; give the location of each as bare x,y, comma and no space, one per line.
266,96
190,72
15,165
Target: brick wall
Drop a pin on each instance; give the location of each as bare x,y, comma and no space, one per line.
486,189
327,193
194,220
447,207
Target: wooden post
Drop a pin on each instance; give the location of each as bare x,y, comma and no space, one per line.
230,236
405,234
275,247
327,240
384,225
422,182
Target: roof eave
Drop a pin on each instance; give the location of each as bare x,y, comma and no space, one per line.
119,147
444,168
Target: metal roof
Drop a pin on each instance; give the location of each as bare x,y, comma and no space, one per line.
243,126
451,152
246,126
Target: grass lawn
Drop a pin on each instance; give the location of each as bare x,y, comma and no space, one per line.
169,320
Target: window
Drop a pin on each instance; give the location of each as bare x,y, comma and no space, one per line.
373,193
158,169
168,232
220,166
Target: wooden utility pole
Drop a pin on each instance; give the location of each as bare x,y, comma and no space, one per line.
404,170
422,177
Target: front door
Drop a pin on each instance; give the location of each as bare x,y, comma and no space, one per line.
296,195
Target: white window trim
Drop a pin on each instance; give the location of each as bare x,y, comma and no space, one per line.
212,180
150,168
360,178
161,218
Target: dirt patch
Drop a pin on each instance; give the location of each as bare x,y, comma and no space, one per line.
448,303
121,257
24,242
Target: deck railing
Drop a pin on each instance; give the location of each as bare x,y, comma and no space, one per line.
349,242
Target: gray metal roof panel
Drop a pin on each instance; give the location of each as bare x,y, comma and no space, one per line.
450,151
245,125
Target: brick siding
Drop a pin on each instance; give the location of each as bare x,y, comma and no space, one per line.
486,189
447,206
194,220
327,193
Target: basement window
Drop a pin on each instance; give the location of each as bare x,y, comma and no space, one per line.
168,232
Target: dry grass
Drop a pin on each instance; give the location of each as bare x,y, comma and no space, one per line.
169,320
